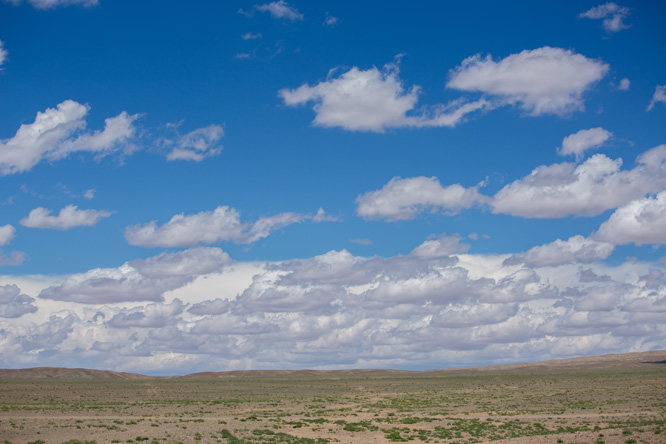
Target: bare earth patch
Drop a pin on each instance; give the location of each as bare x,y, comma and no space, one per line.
615,399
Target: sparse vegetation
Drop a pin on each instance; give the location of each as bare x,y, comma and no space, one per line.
613,406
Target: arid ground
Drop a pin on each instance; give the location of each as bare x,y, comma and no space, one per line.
608,399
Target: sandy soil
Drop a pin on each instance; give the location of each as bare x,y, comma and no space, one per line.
611,400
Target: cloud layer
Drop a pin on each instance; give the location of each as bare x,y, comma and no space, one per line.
436,306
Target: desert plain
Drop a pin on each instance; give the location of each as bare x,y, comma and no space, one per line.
611,399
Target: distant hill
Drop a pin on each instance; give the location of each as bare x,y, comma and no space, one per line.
67,373
615,361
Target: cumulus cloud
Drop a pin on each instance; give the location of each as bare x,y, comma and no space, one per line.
190,262
588,189
155,315
642,221
138,280
404,199
440,247
14,304
659,96
584,140
280,10
69,217
6,234
612,14
428,308
576,249
373,100
541,81
624,85
58,132
210,227
50,4
197,145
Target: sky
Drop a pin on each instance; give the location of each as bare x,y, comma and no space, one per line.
209,186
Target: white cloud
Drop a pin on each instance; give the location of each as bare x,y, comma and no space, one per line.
642,221
280,10
56,133
337,310
69,217
588,189
138,280
190,262
373,100
659,96
210,227
14,304
575,250
624,85
197,145
330,20
3,53
206,227
542,81
612,13
13,258
584,140
156,315
49,4
117,130
6,234
404,199
264,226
251,36
440,247
112,285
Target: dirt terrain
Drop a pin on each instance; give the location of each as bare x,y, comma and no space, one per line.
613,399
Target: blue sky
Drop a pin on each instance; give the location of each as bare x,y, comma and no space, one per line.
225,185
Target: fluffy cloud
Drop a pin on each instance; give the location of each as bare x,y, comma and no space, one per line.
69,217
155,315
210,227
197,145
624,85
190,262
642,221
139,280
373,100
443,246
541,81
612,13
6,234
550,191
576,249
49,4
584,140
56,133
588,189
659,96
280,10
404,199
340,310
14,304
